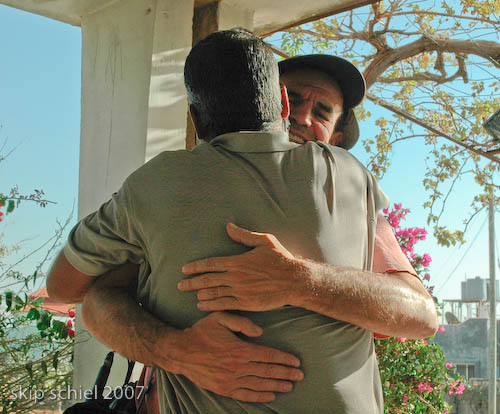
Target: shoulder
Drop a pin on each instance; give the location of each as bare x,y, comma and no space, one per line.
342,157
165,164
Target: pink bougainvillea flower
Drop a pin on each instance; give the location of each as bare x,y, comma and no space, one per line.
405,398
385,211
427,277
424,341
449,365
397,206
460,389
442,329
424,387
402,340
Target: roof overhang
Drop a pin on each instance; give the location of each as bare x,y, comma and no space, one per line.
269,16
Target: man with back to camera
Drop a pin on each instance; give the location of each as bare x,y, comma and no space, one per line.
303,244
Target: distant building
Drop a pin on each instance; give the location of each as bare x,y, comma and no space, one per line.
465,339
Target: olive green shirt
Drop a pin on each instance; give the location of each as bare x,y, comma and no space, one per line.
318,200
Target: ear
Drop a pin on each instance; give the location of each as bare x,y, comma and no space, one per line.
336,138
285,104
198,125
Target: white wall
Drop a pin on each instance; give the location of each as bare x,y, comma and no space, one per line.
116,66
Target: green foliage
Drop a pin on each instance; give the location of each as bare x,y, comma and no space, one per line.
414,376
414,373
36,347
35,355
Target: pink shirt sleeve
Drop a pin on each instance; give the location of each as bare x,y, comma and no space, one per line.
388,256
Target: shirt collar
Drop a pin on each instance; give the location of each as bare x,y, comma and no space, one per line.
254,141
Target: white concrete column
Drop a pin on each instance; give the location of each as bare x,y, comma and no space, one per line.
134,106
116,65
167,97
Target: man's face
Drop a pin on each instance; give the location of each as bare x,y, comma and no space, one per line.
315,105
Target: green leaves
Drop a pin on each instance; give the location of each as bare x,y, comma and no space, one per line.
44,320
414,376
60,328
33,314
8,300
10,206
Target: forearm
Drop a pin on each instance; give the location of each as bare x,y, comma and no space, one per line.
394,304
66,284
114,317
208,354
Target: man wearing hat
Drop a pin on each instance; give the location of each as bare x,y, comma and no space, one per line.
318,85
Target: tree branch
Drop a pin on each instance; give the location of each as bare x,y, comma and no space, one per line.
454,16
483,48
430,128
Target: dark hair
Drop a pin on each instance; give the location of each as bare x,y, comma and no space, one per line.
232,79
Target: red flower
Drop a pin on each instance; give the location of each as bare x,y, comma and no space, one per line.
71,313
71,333
69,323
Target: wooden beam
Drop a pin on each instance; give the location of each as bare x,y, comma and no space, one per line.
201,3
205,21
264,32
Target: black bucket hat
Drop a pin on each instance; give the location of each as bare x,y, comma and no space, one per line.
349,79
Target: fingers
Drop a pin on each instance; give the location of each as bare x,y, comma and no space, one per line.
252,396
275,372
264,384
237,323
220,304
254,389
212,264
247,237
201,282
260,353
214,293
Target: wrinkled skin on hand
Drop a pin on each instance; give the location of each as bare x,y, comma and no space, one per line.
214,358
259,280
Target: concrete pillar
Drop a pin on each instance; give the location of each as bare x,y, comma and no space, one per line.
116,64
167,96
133,106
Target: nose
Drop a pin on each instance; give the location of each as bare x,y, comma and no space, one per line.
301,114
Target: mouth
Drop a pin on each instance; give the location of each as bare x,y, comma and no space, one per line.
296,139
293,137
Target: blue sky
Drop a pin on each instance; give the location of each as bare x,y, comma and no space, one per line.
40,118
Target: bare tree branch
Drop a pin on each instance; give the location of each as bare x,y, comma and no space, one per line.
486,49
454,16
